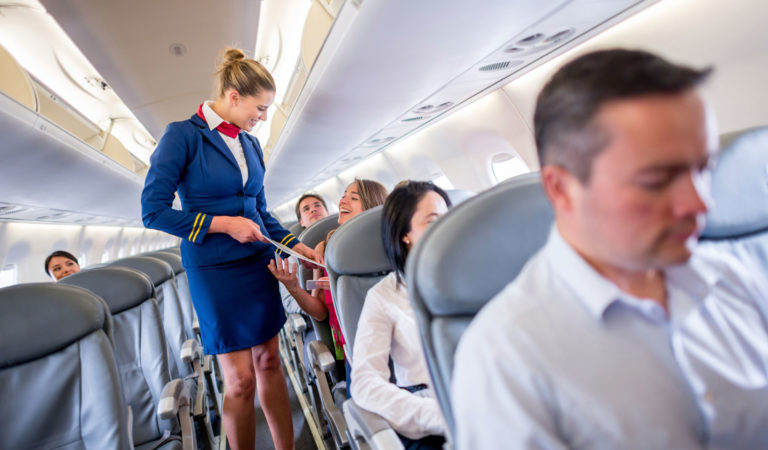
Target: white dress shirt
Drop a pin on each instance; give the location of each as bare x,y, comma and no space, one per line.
234,144
562,358
387,328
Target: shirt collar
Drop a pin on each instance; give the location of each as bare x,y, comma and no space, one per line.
598,293
212,119
591,288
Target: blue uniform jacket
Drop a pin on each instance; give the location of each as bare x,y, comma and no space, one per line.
195,161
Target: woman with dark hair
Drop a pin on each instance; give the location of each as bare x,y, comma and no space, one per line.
60,264
218,171
387,327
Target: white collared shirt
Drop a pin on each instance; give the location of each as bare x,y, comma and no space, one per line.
562,358
234,144
387,328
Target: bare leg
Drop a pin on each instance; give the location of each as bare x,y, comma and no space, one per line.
238,416
273,393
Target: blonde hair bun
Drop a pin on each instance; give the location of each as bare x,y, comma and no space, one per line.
246,76
231,55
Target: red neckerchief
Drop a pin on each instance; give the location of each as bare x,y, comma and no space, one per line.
225,127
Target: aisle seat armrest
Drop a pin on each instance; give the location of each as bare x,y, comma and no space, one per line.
321,357
298,324
371,427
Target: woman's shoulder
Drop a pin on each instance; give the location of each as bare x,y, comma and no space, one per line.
182,127
387,288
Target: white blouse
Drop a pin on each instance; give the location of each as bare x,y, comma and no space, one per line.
387,327
233,144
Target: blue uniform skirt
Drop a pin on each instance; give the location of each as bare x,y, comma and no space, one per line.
237,303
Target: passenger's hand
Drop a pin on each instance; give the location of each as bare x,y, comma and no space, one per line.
285,272
241,229
323,283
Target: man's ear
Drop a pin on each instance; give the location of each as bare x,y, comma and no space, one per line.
560,186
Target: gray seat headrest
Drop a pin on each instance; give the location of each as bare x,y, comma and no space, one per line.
158,271
37,319
121,288
171,258
174,250
296,229
318,231
352,250
478,247
459,195
742,167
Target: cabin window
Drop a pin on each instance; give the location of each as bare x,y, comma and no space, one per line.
8,275
505,166
443,182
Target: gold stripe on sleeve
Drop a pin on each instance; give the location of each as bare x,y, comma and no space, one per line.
283,242
199,227
191,233
289,240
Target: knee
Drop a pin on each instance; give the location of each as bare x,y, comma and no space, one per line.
267,360
241,384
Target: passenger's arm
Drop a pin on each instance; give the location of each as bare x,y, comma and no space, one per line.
312,305
500,399
409,414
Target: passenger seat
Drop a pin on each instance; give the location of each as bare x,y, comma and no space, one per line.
140,350
738,218
356,261
465,259
59,383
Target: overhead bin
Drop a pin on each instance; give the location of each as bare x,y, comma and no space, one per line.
47,167
316,27
15,82
58,112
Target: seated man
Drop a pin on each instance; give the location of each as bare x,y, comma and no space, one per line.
309,209
619,333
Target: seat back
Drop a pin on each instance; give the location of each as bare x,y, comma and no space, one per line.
459,195
182,288
738,218
140,347
59,384
313,235
355,260
465,259
296,229
162,278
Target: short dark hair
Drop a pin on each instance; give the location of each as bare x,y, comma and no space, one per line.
307,195
67,255
399,208
566,134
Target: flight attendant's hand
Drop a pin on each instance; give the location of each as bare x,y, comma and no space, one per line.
241,229
307,252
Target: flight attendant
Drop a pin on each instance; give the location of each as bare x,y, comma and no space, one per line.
218,172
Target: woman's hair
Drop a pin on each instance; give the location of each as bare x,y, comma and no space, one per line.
372,194
67,255
247,76
399,209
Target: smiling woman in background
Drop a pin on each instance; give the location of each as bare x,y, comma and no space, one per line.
60,264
